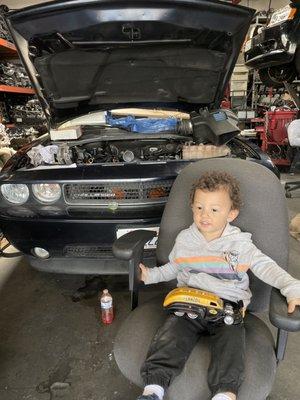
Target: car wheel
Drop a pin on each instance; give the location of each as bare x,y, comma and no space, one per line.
276,76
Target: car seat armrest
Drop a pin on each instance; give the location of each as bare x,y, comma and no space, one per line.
131,245
279,316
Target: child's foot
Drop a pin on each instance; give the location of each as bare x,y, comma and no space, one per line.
224,396
152,392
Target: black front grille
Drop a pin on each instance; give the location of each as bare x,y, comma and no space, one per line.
123,192
95,251
86,251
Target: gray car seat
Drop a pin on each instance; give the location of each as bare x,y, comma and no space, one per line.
264,214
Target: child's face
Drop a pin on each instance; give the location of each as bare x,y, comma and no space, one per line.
212,211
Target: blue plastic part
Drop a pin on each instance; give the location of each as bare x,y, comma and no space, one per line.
143,125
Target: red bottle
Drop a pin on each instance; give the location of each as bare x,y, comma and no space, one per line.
107,311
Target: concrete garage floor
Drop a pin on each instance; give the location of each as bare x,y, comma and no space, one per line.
46,340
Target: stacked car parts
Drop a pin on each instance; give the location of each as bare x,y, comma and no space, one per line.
13,74
4,34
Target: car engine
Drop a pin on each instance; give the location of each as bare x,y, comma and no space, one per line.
127,151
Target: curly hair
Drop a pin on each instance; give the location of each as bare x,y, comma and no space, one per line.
215,180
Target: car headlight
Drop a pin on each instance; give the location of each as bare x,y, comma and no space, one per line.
16,193
40,252
47,192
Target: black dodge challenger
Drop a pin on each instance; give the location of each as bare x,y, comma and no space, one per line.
66,197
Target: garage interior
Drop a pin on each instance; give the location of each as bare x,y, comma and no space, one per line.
53,344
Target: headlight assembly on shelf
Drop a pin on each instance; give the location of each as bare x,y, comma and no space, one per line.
47,192
16,193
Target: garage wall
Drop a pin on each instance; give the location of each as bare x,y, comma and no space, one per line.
264,4
257,4
22,3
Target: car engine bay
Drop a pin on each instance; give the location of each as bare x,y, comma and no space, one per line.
204,135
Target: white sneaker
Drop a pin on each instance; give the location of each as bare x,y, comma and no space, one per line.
221,396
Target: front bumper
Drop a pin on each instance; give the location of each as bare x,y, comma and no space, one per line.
75,246
79,234
85,266
273,46
271,59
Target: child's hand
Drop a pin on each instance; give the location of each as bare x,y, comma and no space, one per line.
144,272
292,305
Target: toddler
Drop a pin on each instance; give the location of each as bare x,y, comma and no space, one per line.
211,255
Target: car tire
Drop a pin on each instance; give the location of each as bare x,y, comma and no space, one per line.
276,76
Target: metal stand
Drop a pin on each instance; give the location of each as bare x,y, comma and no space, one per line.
282,337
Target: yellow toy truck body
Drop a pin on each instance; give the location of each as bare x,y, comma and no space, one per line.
199,303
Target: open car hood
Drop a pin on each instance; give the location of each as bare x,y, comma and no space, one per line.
85,55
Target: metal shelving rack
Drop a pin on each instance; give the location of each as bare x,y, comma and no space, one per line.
8,50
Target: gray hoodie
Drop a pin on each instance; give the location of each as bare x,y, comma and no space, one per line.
220,266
